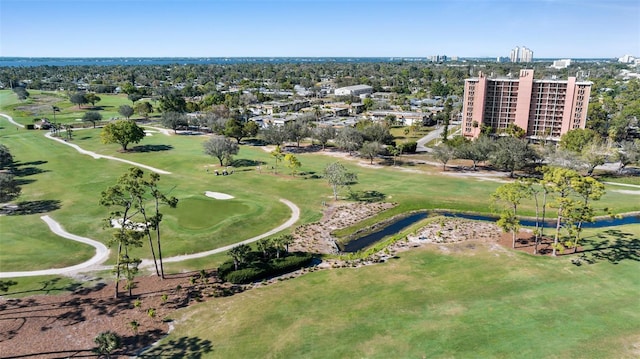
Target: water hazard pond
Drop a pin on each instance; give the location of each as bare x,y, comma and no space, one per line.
404,222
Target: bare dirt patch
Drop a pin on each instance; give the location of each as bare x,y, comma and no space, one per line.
61,326
41,107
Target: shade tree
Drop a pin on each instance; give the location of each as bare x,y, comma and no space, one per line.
93,117
376,132
9,187
78,98
443,153
477,151
126,111
133,97
221,147
6,158
628,153
122,132
577,140
297,130
349,139
324,134
173,120
143,109
92,98
370,150
274,135
172,101
512,154
235,128
338,176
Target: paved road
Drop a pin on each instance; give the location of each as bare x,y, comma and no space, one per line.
428,138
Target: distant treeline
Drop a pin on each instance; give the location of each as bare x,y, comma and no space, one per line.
410,77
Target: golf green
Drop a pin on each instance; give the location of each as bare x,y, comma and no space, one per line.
201,213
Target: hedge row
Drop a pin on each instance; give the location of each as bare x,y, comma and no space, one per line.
259,270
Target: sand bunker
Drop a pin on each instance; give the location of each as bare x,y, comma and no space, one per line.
117,223
218,195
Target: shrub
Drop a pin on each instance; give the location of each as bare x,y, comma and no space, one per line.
409,147
245,275
258,270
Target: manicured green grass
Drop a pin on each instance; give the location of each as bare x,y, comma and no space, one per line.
39,104
35,247
74,181
466,302
634,180
47,285
399,133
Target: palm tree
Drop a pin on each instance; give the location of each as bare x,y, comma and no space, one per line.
239,254
287,239
107,342
264,245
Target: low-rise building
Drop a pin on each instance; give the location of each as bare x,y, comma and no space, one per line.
279,107
402,118
355,90
561,64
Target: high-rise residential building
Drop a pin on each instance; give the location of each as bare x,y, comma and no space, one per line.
521,54
545,109
561,64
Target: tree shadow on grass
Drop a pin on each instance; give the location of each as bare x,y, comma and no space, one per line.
184,347
22,171
31,163
612,245
47,287
151,148
32,207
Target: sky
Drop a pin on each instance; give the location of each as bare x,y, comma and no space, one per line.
315,28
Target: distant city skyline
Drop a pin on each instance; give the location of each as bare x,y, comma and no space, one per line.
311,28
